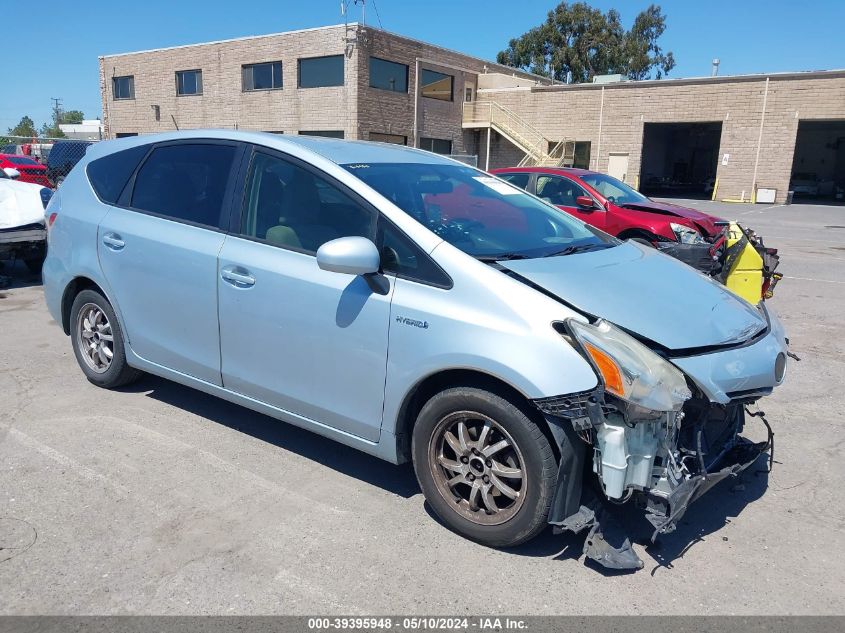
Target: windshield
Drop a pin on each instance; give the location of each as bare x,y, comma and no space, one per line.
479,214
614,190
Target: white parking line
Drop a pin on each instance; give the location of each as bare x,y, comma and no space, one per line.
774,206
827,281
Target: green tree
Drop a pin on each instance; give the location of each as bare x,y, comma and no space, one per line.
25,127
51,130
72,116
577,42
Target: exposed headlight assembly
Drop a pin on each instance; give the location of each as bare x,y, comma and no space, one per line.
628,369
686,234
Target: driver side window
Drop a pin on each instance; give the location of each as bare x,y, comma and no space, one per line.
291,207
559,191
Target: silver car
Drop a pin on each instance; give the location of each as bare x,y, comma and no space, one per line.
415,308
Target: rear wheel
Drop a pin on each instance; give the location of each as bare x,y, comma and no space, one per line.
485,467
98,341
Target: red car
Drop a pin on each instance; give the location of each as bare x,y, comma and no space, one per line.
30,169
613,206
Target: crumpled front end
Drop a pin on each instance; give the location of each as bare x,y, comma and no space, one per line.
660,440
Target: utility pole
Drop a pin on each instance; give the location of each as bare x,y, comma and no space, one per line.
57,111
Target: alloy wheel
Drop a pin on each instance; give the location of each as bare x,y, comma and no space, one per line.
478,466
95,337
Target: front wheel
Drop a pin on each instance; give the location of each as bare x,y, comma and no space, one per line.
484,466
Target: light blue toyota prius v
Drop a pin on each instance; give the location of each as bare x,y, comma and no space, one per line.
531,366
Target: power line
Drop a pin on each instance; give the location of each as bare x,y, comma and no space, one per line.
378,17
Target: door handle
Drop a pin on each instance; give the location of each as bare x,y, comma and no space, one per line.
113,241
237,276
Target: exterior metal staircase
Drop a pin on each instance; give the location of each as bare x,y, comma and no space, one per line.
539,151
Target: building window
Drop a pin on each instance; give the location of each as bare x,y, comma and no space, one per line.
326,133
189,82
123,87
436,145
320,72
386,75
396,139
267,76
125,134
435,85
468,94
582,155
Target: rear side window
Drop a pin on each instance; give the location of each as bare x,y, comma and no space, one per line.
517,180
184,182
109,174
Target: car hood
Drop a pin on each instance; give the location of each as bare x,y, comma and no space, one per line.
20,204
705,220
647,293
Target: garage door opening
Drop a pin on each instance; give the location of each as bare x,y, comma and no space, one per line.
680,159
818,167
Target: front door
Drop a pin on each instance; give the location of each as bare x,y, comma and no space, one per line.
159,255
617,166
308,341
563,193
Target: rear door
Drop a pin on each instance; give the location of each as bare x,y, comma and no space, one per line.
158,250
563,192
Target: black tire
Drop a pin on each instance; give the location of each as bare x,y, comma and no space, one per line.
536,461
117,373
643,241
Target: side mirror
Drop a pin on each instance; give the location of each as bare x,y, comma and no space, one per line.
585,202
349,255
11,172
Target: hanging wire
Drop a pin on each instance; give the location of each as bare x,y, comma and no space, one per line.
378,17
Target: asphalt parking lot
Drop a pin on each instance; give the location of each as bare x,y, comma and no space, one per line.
161,500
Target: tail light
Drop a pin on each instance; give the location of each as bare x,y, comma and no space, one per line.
51,218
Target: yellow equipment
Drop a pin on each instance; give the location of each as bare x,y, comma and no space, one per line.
744,266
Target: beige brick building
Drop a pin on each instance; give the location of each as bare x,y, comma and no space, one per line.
753,122
398,111
743,135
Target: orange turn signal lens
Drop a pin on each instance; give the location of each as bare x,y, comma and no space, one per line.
608,369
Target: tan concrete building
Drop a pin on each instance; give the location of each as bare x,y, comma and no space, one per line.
751,132
347,80
747,137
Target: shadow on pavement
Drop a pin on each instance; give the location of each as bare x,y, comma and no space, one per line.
399,480
704,518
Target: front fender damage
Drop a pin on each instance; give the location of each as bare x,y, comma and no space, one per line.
669,462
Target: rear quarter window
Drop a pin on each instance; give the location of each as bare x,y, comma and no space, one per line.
185,182
108,175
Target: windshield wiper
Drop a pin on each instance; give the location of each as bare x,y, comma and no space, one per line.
580,248
500,257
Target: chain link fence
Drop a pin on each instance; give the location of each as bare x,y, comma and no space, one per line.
40,160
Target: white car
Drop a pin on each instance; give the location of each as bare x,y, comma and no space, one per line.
23,233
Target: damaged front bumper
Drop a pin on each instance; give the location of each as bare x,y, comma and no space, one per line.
662,461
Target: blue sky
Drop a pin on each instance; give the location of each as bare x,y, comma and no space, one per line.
59,58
